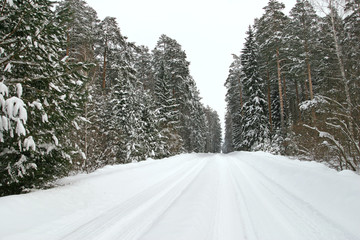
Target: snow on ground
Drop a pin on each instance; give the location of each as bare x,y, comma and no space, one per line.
254,196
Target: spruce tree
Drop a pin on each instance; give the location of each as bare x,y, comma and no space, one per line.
352,52
234,99
303,34
81,26
171,68
213,137
269,32
144,69
255,126
38,149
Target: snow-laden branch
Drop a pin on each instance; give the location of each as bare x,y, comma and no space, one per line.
337,144
13,112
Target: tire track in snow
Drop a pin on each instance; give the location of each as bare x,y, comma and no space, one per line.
248,225
229,223
194,197
130,219
294,218
298,210
192,215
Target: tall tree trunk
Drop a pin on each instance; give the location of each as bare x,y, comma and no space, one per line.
306,89
269,99
297,100
280,92
313,115
285,95
341,67
104,67
67,44
241,98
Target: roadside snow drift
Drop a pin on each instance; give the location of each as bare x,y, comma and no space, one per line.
192,197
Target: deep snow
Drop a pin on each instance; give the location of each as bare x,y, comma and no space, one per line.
192,197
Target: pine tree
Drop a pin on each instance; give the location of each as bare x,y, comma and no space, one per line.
38,149
171,68
234,99
169,115
213,137
81,24
144,69
269,32
124,121
150,139
303,39
227,146
197,125
110,41
338,126
255,128
352,53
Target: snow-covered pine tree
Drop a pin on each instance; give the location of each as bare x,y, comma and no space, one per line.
227,146
144,69
171,68
124,120
111,42
168,115
151,140
177,96
81,24
269,32
303,34
304,75
42,99
213,138
196,126
336,125
254,117
352,52
234,99
81,28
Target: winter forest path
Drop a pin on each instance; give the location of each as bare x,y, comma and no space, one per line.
253,196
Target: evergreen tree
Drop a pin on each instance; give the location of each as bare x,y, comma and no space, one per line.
197,124
151,141
213,138
255,129
124,122
111,42
169,115
171,68
303,39
144,69
47,101
81,25
227,146
269,33
352,52
234,99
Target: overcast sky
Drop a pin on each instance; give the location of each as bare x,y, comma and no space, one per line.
208,30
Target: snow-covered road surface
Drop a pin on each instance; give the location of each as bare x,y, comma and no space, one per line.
252,196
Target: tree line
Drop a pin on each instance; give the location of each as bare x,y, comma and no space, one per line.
295,87
76,95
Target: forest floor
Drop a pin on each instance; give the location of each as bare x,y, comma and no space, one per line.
253,196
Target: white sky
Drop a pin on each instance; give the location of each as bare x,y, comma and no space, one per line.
208,30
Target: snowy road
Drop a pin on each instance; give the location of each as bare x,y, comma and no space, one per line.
252,196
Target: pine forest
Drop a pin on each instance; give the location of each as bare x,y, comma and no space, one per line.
294,89
77,95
